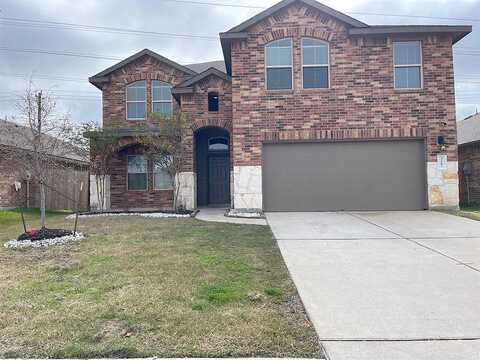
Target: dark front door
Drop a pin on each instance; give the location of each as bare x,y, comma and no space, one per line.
218,179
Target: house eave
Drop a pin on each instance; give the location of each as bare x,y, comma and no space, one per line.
458,32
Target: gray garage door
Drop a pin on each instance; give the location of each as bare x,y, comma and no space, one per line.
362,175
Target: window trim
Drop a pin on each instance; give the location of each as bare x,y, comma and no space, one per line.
420,65
277,66
146,173
162,101
154,182
127,101
316,65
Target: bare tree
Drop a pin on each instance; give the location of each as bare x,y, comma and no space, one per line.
35,141
103,146
166,148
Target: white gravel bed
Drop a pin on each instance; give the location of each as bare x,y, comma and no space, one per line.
245,214
146,215
16,244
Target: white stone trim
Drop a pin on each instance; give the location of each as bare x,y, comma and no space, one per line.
188,189
443,190
93,194
247,187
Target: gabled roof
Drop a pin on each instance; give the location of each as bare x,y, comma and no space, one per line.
186,87
238,32
103,76
315,4
356,27
468,130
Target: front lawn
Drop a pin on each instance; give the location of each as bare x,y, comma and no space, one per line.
470,212
140,287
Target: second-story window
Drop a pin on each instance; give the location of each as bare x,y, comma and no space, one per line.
161,97
136,100
315,64
407,59
278,59
212,101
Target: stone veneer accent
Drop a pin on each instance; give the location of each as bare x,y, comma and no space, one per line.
247,187
443,186
94,206
188,190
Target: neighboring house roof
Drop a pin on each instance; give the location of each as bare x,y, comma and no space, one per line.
18,136
355,27
201,67
187,86
468,130
102,76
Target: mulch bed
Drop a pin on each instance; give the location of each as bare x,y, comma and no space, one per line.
44,233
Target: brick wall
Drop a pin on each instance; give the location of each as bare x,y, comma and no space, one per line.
196,107
122,198
469,153
114,93
361,101
7,178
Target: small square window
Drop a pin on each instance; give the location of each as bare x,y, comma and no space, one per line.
213,101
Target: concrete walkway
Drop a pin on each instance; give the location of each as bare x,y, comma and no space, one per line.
218,215
387,285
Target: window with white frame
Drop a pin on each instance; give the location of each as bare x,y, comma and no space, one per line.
137,172
161,97
162,180
315,64
278,60
136,100
407,57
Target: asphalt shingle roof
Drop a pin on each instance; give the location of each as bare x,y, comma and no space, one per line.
15,135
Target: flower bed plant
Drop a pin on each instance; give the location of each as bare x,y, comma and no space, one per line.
43,238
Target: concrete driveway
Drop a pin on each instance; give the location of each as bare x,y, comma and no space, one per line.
387,285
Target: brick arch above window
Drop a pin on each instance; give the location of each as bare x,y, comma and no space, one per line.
221,123
323,34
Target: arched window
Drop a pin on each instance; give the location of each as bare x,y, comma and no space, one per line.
161,97
315,64
218,144
278,60
136,100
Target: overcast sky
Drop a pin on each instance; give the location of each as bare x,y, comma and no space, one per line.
82,100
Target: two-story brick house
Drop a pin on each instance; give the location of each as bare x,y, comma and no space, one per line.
314,111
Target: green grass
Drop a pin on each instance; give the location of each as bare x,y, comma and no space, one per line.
141,287
470,212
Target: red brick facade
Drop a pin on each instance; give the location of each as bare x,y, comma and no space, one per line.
194,105
114,92
469,190
361,101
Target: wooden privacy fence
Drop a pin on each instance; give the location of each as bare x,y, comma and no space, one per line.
61,181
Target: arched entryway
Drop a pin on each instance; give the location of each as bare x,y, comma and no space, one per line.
212,148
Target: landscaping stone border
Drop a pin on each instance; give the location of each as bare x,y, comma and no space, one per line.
21,244
245,213
142,214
